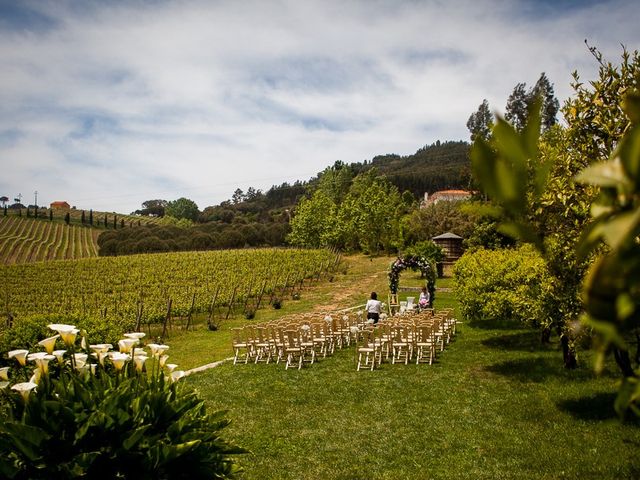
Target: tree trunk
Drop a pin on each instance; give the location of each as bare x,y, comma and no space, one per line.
624,362
545,337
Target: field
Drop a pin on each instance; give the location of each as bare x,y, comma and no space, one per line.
495,405
140,290
26,240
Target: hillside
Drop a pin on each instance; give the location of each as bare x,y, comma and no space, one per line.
439,166
25,240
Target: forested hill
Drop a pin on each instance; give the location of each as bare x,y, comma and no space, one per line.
439,166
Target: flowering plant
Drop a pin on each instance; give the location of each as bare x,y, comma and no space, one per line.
415,263
88,411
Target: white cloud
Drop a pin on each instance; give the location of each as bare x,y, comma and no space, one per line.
117,103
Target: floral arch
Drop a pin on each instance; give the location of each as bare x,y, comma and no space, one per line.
425,266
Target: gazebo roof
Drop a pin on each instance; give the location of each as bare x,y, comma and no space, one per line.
447,236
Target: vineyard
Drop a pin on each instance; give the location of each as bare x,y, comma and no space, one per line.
25,240
139,290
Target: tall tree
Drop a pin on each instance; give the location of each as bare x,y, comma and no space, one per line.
517,104
543,89
480,122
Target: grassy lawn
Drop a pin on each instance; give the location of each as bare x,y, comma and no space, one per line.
495,405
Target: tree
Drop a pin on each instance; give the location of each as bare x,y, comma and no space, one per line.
91,217
521,100
480,122
516,109
238,196
182,208
154,208
4,201
313,221
532,180
543,89
67,218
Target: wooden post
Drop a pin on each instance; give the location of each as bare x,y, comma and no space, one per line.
233,297
264,286
167,319
212,306
139,309
193,302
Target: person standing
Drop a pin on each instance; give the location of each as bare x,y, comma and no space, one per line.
373,308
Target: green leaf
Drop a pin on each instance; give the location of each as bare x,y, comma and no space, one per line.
604,174
631,106
133,439
629,153
621,229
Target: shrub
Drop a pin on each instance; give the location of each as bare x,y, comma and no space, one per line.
507,284
80,417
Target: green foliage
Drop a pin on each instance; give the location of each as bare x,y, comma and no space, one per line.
426,249
367,218
612,288
506,284
182,208
102,422
480,122
437,218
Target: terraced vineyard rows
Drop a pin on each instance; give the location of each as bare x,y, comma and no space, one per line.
25,240
140,289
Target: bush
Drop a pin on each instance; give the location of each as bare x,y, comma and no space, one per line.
507,284
108,419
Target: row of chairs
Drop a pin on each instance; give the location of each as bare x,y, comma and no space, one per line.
404,338
296,340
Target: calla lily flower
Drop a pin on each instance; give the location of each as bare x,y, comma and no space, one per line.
43,363
101,347
157,350
59,354
139,360
80,359
4,373
24,388
32,357
49,343
4,385
35,378
126,344
162,360
177,375
136,335
69,336
171,367
119,359
61,327
20,355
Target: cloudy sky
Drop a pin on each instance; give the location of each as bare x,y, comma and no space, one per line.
106,104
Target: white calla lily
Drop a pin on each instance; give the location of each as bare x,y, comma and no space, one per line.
24,388
119,359
59,354
157,350
126,344
20,355
49,343
177,375
4,373
136,335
